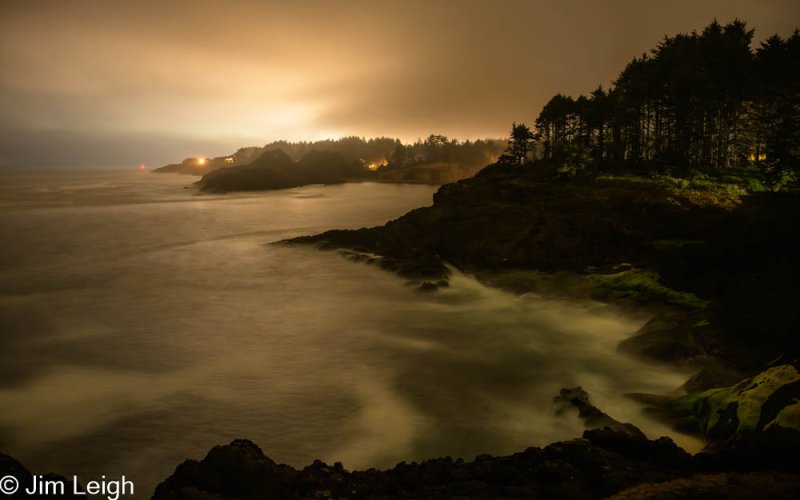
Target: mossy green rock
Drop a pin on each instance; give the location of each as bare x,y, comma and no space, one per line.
759,403
642,286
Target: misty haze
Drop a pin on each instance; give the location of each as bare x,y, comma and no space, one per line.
400,250
174,324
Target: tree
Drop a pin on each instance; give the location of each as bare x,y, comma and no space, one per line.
702,101
519,144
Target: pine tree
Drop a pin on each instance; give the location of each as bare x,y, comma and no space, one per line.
519,144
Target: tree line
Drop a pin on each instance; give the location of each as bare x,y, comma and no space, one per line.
389,154
440,149
700,101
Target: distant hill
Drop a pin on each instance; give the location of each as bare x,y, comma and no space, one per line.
281,164
276,170
201,166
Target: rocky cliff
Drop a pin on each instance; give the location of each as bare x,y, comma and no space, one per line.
716,264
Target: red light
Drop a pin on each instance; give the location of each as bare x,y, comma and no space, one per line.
141,166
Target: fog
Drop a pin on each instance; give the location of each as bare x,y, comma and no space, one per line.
143,324
101,83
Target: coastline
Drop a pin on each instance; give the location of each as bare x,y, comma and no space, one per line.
641,245
640,232
623,285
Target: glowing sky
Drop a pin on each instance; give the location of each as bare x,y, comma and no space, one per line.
112,83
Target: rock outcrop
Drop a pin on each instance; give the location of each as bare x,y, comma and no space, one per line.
592,416
269,171
611,458
767,402
23,480
510,218
603,462
723,262
584,468
274,169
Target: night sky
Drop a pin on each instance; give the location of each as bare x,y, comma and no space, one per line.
119,83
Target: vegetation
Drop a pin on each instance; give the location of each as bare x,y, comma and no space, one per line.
755,404
698,103
435,160
520,144
641,286
388,154
440,149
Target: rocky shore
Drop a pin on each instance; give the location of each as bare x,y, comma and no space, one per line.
611,458
714,264
750,459
600,464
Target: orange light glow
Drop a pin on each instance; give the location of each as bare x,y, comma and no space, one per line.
141,166
201,161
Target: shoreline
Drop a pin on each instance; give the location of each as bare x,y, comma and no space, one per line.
639,244
578,289
416,247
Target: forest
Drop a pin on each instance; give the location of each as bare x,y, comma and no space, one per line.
699,102
384,153
283,164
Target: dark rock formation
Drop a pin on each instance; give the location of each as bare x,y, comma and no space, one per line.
274,169
592,416
673,336
603,462
724,486
764,402
503,219
726,262
271,170
192,166
575,469
24,479
611,458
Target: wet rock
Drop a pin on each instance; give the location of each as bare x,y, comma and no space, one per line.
603,462
754,405
714,374
24,481
354,256
729,265
726,486
427,286
239,469
592,416
524,220
672,336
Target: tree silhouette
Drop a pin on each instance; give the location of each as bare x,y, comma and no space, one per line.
519,145
703,101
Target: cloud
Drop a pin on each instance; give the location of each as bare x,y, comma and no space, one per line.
250,72
96,148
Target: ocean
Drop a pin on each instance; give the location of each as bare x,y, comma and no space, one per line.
142,323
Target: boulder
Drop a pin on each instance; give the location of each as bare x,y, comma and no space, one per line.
770,399
592,416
